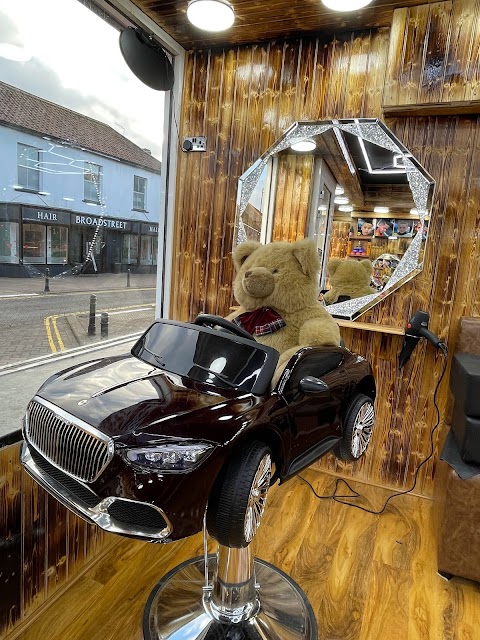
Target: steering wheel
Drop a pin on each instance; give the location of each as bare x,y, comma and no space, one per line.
209,320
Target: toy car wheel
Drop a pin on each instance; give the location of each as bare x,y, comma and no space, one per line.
357,428
237,503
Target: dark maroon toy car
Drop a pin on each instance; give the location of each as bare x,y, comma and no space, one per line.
145,443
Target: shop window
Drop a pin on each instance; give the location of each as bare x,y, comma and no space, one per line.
148,249
34,242
92,182
28,167
57,245
139,193
9,242
130,249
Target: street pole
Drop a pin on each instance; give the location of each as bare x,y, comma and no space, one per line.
91,319
104,325
128,277
47,281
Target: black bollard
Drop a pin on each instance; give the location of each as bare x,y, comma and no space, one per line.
128,277
91,319
47,281
104,325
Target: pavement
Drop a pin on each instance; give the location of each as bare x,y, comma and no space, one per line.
129,315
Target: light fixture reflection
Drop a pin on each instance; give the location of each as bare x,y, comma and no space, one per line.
211,15
14,52
304,145
345,207
341,200
345,5
339,190
381,209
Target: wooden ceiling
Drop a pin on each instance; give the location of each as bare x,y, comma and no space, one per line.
262,20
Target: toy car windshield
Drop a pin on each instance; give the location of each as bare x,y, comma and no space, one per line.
207,355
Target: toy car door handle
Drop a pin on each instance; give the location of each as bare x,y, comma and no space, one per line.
311,385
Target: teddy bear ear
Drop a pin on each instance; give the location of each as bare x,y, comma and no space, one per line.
367,265
333,265
242,251
307,255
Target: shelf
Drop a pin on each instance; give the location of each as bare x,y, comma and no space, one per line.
366,326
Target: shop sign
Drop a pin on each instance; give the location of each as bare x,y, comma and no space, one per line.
45,215
93,221
150,228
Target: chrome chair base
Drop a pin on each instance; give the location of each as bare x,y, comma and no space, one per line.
259,604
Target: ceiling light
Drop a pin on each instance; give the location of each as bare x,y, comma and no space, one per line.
345,5
414,212
211,15
304,145
339,190
341,200
381,209
345,207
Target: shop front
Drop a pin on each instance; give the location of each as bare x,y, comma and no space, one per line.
10,240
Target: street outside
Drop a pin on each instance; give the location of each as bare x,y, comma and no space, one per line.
35,323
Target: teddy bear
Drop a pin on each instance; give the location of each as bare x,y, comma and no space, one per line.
348,279
276,287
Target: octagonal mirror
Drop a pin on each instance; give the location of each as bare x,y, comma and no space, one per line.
352,187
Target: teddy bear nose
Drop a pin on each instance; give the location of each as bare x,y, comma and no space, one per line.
247,274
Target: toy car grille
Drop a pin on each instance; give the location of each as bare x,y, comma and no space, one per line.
72,445
137,514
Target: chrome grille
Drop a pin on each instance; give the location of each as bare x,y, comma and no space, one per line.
67,442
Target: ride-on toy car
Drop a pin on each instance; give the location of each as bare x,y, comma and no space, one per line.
142,444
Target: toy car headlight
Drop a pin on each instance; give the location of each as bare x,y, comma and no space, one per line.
170,457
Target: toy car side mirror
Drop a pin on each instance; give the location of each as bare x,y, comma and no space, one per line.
312,386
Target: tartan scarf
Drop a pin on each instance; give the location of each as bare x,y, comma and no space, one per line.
260,322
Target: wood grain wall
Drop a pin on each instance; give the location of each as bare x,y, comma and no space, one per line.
435,55
42,544
243,98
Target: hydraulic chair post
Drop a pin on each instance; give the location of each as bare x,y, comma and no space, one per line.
244,599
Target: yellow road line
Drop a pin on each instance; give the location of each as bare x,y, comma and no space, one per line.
49,334
57,333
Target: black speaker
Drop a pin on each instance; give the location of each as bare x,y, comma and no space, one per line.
146,59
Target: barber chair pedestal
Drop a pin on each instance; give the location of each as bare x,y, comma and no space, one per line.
236,598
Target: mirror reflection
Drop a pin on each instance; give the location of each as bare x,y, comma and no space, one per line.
352,187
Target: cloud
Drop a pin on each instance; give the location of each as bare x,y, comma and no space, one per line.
88,76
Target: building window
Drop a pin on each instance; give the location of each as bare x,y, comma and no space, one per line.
139,193
92,182
148,250
34,241
130,249
9,242
28,169
57,245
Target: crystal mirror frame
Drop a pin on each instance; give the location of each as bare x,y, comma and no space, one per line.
373,131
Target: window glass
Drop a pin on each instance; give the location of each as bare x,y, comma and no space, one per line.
139,193
28,171
80,176
9,242
92,182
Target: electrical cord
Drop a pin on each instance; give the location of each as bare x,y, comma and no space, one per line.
341,499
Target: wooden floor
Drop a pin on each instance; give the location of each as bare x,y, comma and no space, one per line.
368,577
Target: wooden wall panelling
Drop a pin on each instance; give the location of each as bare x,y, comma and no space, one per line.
11,597
463,32
43,545
434,56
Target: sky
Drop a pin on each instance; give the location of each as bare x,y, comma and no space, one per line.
74,59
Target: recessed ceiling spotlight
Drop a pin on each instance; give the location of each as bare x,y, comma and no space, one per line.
346,5
339,190
211,15
304,145
381,209
345,207
341,200
414,211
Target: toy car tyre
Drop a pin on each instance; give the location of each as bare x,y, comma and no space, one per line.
236,505
357,428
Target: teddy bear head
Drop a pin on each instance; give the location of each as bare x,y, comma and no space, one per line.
350,277
279,275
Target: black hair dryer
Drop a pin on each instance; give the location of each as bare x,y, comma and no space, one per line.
417,328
